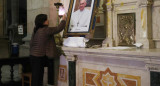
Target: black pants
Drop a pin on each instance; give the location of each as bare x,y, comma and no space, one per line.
37,68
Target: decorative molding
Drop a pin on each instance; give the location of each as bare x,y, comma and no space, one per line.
101,11
145,3
71,57
125,4
158,40
109,7
102,55
153,67
140,56
156,3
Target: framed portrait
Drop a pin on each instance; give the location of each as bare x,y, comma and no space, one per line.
80,17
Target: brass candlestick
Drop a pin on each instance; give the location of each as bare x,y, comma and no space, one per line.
58,37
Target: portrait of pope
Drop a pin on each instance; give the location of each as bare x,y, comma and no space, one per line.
81,16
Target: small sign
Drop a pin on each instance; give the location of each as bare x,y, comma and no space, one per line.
20,29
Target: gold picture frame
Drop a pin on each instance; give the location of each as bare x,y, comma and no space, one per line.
76,30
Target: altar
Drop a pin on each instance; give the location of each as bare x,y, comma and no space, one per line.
109,67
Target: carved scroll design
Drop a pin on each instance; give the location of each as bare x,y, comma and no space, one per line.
144,3
126,29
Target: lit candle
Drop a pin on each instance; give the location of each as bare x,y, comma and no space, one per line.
61,11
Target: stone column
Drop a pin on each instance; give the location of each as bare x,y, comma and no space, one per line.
109,41
14,12
145,27
71,69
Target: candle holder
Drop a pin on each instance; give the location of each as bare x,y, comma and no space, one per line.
58,38
57,5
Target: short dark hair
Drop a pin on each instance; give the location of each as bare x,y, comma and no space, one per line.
39,20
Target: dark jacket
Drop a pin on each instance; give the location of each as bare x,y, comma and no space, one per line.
42,42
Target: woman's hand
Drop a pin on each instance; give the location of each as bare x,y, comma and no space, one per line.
64,17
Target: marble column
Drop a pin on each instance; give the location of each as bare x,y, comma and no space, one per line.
145,29
71,69
109,41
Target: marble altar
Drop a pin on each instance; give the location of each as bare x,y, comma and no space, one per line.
111,67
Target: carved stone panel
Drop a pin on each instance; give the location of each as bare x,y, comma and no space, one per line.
126,29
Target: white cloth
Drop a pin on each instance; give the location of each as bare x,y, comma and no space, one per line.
75,42
80,21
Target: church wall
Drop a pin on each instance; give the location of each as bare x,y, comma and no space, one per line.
35,7
1,17
155,22
65,4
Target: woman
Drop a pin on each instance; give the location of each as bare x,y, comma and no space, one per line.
43,46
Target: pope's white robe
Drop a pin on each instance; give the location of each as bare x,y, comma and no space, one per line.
80,21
